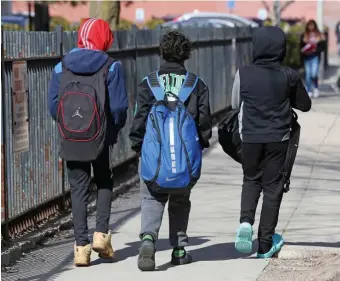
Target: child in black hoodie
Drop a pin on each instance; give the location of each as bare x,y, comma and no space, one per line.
265,92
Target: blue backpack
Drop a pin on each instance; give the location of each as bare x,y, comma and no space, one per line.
171,157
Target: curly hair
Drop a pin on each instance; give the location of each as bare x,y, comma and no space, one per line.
175,47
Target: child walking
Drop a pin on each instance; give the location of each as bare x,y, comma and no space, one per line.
171,127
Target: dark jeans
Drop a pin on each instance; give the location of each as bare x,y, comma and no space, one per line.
262,170
79,175
152,209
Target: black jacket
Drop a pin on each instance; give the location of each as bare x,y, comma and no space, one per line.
268,91
337,32
319,49
197,104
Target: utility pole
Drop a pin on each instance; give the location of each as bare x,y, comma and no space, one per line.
320,25
320,14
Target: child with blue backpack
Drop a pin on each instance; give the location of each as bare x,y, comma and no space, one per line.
171,127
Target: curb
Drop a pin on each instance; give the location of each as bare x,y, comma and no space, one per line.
306,252
31,242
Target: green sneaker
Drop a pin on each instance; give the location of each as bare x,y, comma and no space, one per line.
146,257
180,256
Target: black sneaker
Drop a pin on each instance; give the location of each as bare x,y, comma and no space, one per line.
146,257
184,259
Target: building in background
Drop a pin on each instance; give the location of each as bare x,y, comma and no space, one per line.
139,11
6,8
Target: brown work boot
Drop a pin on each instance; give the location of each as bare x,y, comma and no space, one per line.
102,245
82,255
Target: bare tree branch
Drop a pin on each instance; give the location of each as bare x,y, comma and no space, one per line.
266,5
285,5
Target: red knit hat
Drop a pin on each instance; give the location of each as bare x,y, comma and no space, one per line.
95,34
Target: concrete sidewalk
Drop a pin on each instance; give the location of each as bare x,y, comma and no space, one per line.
309,217
309,214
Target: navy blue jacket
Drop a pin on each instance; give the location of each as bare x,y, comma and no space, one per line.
89,61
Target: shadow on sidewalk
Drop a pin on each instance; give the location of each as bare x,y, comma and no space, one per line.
56,257
216,252
315,244
220,252
161,245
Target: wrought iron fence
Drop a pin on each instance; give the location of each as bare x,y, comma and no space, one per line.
34,174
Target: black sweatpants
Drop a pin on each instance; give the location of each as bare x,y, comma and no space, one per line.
79,175
262,170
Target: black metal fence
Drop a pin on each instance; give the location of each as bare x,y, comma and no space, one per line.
34,174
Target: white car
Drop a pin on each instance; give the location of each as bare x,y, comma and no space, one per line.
199,22
237,20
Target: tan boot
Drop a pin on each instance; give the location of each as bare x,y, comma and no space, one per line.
82,255
102,245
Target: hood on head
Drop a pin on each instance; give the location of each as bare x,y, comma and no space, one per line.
84,61
269,45
95,34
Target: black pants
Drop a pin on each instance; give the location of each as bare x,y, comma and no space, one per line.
79,175
262,170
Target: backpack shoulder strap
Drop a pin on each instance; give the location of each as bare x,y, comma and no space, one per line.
110,64
287,72
154,86
63,67
188,86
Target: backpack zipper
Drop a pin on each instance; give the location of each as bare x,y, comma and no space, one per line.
156,128
180,127
155,125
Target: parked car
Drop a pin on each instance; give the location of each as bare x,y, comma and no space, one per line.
18,19
199,22
257,20
237,20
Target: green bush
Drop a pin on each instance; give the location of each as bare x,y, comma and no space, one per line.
294,33
60,21
153,23
125,24
54,22
12,27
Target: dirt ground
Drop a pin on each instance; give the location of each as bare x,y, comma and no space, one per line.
322,268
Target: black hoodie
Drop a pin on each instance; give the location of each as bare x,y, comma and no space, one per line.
267,91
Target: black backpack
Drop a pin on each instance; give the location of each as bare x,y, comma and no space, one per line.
82,114
292,151
229,139
229,136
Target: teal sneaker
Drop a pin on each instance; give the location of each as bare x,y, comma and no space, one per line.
277,245
244,240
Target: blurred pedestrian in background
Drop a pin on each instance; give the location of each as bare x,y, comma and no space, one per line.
310,51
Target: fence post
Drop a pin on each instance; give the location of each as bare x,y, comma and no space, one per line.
60,46
4,227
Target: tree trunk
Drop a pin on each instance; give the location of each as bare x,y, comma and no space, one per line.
106,10
277,13
42,16
276,10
